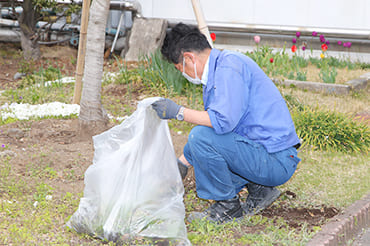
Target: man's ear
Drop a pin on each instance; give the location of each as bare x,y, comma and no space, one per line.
188,55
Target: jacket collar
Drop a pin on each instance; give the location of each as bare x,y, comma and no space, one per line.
213,56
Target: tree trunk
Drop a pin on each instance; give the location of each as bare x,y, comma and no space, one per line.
93,118
29,38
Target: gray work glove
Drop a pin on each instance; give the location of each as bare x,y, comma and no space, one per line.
166,108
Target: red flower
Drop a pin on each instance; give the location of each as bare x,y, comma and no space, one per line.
294,48
324,47
271,60
213,36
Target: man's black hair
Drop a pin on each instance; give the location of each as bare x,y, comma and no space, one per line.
183,38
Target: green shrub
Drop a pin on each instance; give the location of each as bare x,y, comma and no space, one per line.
327,130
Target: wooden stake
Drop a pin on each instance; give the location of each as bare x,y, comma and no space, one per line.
81,51
201,21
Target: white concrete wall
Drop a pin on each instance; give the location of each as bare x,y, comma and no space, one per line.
341,14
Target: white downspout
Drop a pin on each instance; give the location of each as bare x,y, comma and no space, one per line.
202,25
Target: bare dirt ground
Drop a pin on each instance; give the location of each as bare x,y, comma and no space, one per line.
60,137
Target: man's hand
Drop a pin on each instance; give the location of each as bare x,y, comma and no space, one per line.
166,108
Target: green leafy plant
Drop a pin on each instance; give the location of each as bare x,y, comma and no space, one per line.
26,67
298,75
301,76
128,78
363,65
41,76
42,190
261,55
299,61
328,74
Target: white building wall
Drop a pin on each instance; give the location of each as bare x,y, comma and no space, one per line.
341,14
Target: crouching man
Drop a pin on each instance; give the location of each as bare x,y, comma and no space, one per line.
245,136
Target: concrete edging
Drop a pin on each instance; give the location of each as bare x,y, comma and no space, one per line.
344,226
339,89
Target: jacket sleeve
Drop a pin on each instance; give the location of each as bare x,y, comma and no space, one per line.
229,96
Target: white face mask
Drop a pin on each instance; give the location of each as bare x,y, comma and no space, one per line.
195,81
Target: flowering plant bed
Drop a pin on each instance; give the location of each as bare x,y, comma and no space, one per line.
298,62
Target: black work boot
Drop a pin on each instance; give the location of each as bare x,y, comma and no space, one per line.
182,168
220,212
259,198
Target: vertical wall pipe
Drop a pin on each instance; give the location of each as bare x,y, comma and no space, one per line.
201,21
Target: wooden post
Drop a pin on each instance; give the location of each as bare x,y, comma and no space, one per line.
201,21
81,51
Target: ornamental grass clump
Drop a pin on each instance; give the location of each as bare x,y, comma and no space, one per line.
41,76
157,72
328,130
163,78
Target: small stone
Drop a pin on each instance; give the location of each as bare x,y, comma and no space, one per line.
19,75
7,153
15,133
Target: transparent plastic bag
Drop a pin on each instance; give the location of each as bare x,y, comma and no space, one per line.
133,188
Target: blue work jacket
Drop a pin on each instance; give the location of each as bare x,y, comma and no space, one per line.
241,98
